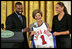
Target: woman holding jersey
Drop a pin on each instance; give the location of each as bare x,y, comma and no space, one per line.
37,15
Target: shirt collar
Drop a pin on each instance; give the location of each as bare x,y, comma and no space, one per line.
17,14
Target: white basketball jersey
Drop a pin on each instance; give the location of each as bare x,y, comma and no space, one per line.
43,38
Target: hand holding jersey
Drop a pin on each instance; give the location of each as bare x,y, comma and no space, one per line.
34,32
42,37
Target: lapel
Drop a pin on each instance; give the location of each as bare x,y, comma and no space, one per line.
17,19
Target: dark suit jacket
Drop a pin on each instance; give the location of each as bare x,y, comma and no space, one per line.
13,23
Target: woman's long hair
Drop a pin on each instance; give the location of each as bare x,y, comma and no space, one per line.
62,5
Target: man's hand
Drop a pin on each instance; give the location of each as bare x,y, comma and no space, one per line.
32,33
26,29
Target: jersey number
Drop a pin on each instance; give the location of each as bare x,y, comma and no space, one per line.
43,40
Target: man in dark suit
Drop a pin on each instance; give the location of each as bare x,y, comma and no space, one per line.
17,22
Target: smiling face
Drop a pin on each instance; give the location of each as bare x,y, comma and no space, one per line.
19,9
59,9
38,17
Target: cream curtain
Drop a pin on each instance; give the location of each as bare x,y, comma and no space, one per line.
68,6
